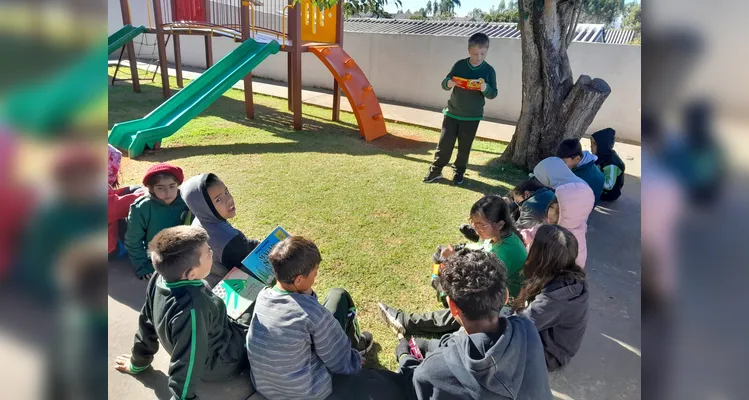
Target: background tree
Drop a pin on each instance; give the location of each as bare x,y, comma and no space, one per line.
632,19
476,14
601,11
421,14
446,8
553,107
357,7
504,13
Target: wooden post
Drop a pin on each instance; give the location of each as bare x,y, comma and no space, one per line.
249,105
295,29
339,40
208,51
178,60
125,9
290,94
161,44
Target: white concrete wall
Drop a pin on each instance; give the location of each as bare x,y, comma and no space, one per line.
409,68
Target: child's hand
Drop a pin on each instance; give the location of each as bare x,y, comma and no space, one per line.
363,361
450,84
483,87
146,277
122,364
447,252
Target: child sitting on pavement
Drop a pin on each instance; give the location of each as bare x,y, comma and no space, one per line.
583,164
555,296
602,145
184,315
213,206
294,338
494,357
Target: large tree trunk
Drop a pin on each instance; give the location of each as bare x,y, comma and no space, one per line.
553,108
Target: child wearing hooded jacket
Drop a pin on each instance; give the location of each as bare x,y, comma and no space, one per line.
583,164
573,204
555,295
119,200
213,206
602,145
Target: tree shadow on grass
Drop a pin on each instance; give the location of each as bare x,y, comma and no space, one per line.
317,136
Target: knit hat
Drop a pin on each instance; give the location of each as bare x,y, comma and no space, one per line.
164,168
115,157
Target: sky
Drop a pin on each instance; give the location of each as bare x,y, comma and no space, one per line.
465,8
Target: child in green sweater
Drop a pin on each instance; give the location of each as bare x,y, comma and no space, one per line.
465,109
162,208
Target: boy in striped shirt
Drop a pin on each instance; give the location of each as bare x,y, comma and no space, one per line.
295,344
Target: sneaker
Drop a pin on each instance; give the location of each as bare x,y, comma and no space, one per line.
367,341
458,178
392,318
432,176
470,233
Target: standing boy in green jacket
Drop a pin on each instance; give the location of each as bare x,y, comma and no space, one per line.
162,208
465,109
181,312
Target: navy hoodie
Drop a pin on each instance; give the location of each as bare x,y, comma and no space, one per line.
608,157
506,365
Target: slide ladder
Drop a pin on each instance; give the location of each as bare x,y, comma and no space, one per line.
357,88
124,36
186,104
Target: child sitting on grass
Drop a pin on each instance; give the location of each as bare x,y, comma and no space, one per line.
181,312
583,164
213,206
602,145
465,109
162,208
490,217
295,344
555,296
495,357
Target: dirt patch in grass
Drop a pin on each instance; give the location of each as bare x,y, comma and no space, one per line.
399,140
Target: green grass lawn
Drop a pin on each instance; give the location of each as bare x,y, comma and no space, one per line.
364,204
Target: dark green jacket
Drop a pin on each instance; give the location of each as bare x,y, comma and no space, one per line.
149,216
533,209
192,325
468,105
593,176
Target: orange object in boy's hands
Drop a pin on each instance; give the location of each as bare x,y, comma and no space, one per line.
468,84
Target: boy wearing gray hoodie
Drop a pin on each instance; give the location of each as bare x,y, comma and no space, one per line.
493,357
213,205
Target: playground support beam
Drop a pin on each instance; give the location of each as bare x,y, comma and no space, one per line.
336,88
249,105
290,94
161,44
296,65
125,9
178,61
208,51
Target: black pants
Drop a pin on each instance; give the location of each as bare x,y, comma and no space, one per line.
462,131
433,322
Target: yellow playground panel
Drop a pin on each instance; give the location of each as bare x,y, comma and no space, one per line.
318,25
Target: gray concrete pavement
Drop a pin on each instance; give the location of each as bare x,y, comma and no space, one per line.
608,363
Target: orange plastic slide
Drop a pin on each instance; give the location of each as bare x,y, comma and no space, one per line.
355,85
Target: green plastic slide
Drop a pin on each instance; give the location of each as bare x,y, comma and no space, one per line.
123,36
48,106
179,109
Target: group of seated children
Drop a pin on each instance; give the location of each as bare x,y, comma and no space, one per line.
299,348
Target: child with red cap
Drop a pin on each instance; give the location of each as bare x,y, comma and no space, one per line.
161,208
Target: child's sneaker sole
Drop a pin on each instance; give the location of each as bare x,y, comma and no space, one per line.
433,179
390,321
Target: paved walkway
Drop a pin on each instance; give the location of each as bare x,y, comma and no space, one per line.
488,129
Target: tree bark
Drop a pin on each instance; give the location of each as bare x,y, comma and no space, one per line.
553,108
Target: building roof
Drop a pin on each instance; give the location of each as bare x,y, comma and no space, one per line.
585,32
619,36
